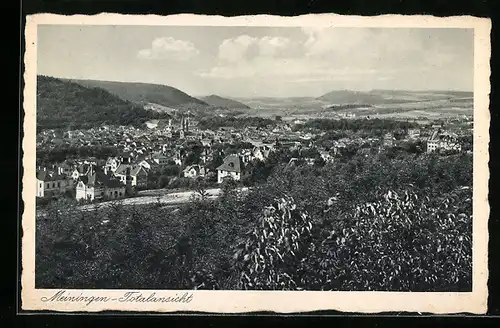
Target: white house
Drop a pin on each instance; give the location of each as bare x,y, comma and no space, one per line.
112,164
148,164
233,167
442,141
261,152
194,171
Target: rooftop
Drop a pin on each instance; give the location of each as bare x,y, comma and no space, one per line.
232,163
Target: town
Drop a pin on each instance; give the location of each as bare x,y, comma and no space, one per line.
177,153
255,158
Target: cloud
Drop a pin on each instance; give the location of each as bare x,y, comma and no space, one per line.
235,49
245,47
369,56
275,46
298,69
169,48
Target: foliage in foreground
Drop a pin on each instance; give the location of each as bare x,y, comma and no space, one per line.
351,226
401,242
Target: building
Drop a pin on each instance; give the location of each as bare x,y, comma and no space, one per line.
246,155
149,164
152,124
262,152
65,168
112,164
442,141
50,183
137,174
233,167
185,123
160,159
194,171
81,170
98,185
413,133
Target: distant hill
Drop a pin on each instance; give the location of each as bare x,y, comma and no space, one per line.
64,104
387,103
224,102
379,97
355,97
144,93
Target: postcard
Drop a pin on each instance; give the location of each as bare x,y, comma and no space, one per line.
192,163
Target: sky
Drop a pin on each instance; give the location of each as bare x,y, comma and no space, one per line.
261,61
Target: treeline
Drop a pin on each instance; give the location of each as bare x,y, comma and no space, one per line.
64,104
355,125
383,223
215,122
61,153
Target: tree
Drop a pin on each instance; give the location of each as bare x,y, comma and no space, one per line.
271,255
192,158
215,163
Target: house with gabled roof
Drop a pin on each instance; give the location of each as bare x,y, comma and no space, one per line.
443,141
232,167
159,159
261,152
51,183
98,185
65,167
81,170
137,174
194,171
149,164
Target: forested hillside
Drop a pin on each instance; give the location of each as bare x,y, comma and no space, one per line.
224,102
63,104
145,93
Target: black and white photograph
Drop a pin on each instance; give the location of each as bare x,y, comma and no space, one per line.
254,158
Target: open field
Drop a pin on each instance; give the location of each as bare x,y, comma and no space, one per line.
164,197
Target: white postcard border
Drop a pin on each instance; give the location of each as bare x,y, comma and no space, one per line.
275,301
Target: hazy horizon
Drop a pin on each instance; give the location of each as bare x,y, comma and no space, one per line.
261,62
258,96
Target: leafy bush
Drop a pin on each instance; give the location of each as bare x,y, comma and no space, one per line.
271,256
398,243
402,242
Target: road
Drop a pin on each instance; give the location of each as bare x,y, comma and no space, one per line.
163,196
